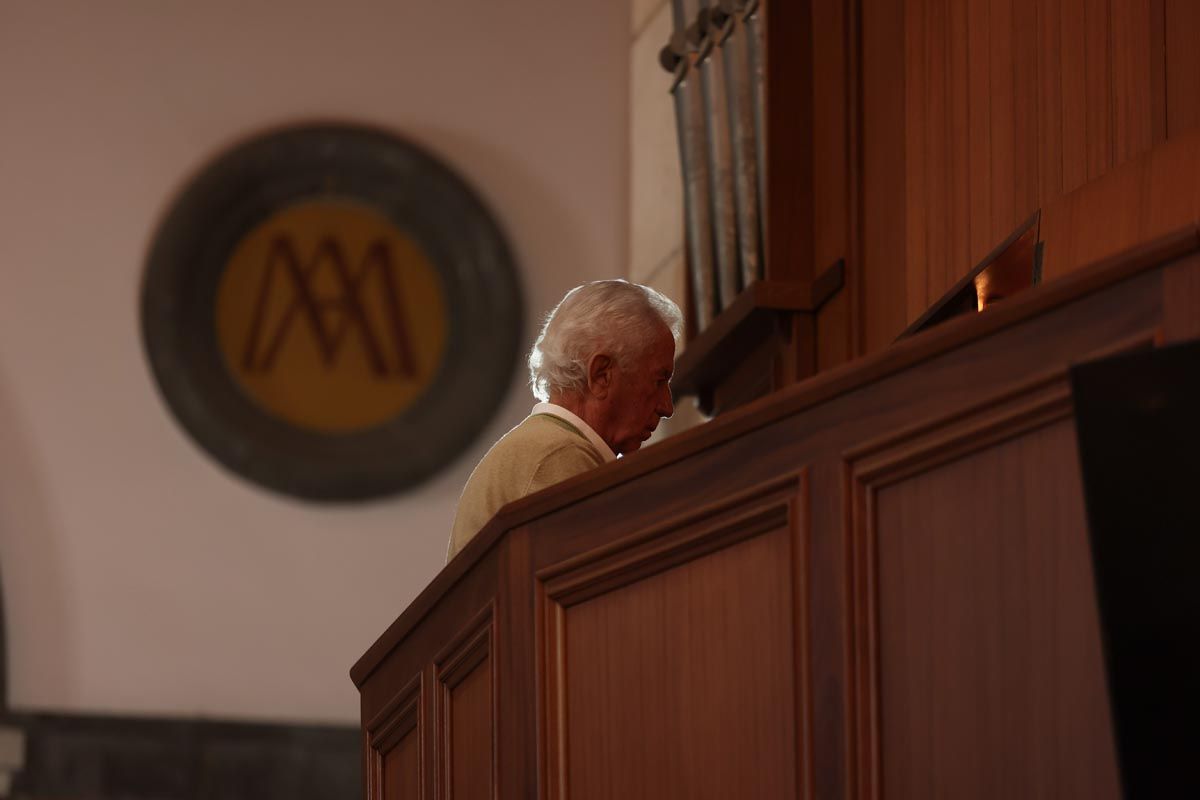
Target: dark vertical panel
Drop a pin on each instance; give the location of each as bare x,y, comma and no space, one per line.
789,123
832,175
833,323
883,215
402,769
917,115
1182,65
992,682
470,742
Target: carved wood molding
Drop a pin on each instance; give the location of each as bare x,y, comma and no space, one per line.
473,645
1016,410
396,720
678,540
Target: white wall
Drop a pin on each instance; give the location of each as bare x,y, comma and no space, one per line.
138,576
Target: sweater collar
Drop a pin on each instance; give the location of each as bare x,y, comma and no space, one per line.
593,438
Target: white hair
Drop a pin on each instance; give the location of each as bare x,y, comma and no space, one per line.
614,317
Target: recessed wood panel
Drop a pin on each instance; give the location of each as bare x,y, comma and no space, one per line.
978,659
676,666
402,769
465,729
394,746
989,646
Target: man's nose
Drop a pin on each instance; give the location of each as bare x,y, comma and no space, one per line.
666,404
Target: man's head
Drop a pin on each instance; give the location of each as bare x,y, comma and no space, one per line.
606,353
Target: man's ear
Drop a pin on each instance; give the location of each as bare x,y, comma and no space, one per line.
600,374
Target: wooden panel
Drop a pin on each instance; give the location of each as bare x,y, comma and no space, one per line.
789,135
1005,105
830,167
1132,88
832,180
979,130
402,769
394,747
1027,124
884,209
1139,201
978,661
1182,25
1001,56
674,660
920,199
1051,105
465,728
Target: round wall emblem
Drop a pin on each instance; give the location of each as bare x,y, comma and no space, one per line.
331,312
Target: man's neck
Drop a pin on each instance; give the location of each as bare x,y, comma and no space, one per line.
586,409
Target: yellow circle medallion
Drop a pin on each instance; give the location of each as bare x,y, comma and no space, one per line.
330,317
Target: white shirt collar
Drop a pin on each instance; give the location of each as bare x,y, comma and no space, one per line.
593,438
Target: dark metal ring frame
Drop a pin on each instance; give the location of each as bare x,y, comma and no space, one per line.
421,197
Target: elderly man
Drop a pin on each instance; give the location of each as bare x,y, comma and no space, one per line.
602,369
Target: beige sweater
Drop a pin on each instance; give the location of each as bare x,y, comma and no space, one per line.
541,451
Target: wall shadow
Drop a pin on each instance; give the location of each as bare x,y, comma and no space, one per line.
34,596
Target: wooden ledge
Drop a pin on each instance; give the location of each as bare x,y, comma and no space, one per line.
742,326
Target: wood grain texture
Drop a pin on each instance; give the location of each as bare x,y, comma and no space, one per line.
707,604
394,746
884,203
1133,90
1006,105
966,692
402,770
465,721
1182,26
1151,194
992,681
789,140
665,646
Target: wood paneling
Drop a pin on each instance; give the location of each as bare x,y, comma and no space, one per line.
1004,106
870,585
1182,56
992,682
402,770
880,282
663,650
465,721
1141,200
978,653
394,746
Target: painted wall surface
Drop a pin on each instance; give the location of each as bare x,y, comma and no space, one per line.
138,576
